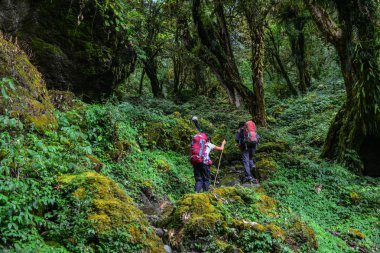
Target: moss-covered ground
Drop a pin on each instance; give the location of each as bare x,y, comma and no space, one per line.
77,189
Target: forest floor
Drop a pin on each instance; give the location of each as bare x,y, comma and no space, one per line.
304,203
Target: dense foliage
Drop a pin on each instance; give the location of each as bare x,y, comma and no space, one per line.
106,168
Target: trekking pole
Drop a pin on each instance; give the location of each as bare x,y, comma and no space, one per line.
217,170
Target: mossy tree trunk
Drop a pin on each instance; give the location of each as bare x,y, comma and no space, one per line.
199,79
274,52
141,82
357,124
257,65
295,21
297,42
255,12
214,49
148,35
150,67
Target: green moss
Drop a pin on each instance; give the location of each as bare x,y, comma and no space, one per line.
231,194
266,167
62,100
276,231
162,165
30,99
356,233
299,233
111,209
275,146
174,136
42,48
267,205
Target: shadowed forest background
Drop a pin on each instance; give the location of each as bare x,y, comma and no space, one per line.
95,107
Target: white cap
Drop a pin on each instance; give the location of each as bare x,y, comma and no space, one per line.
194,118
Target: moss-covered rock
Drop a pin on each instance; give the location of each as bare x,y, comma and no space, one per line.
266,167
300,234
274,146
25,91
213,221
267,205
71,43
112,213
175,136
162,165
356,233
62,100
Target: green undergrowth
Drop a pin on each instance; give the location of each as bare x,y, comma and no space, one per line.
306,203
341,207
236,219
113,140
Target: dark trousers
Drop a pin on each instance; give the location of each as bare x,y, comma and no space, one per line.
202,177
247,158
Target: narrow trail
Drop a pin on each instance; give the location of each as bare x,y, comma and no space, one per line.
231,174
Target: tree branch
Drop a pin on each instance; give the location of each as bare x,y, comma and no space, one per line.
326,25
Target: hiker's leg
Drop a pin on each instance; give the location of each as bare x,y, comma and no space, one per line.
252,164
245,158
198,177
206,177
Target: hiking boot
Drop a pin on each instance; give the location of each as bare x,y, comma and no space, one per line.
254,181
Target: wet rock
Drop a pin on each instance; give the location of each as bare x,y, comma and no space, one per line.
159,232
230,179
152,219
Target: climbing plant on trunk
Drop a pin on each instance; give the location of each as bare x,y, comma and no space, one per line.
357,124
255,13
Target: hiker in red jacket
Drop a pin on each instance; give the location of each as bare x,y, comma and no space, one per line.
201,147
247,139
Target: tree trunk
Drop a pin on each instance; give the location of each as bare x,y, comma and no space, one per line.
151,71
257,65
177,68
216,52
297,42
141,82
277,59
357,124
198,77
255,15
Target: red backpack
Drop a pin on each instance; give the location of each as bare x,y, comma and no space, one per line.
249,133
198,148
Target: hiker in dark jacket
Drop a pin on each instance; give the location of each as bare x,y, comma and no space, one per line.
247,153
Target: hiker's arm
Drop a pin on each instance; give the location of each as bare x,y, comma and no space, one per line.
220,147
237,137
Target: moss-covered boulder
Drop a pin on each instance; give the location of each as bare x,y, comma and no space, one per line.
175,135
266,167
62,100
23,90
274,146
73,45
235,219
110,213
